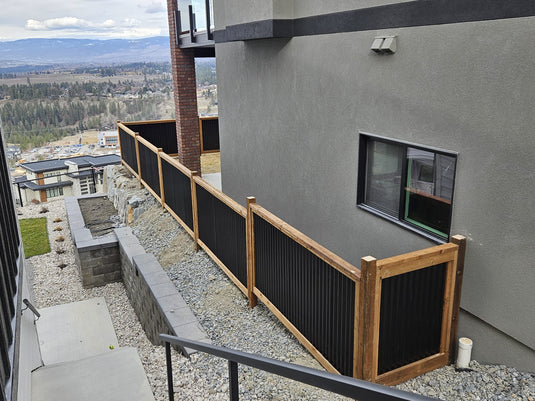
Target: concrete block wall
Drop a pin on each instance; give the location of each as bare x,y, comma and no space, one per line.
158,304
98,259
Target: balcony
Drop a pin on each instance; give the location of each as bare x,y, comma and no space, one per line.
194,24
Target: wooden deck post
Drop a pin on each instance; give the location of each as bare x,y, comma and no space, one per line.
460,241
194,209
160,176
370,303
253,300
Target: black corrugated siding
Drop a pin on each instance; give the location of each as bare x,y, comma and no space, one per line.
315,297
161,135
177,190
223,231
411,317
9,253
128,149
148,161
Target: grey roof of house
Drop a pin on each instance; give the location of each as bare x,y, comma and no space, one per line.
81,161
24,183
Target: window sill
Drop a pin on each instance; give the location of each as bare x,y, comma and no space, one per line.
405,225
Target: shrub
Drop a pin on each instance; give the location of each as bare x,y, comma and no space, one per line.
61,238
58,228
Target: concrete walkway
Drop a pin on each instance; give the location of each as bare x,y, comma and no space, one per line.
82,359
214,179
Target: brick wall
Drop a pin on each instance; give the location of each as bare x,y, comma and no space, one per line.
185,92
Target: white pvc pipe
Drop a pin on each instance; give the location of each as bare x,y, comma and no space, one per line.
464,353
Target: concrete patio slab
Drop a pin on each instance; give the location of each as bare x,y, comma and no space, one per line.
112,376
74,331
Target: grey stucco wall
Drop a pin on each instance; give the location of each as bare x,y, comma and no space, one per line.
307,8
290,111
234,12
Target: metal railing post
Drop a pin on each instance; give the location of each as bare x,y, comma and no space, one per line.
170,388
233,381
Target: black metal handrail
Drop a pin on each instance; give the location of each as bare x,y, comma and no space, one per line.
343,385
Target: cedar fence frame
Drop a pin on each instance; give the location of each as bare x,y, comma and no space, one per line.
201,119
367,279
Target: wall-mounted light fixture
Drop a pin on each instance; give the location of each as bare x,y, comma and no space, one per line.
384,44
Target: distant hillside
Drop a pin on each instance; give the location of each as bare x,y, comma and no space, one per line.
31,52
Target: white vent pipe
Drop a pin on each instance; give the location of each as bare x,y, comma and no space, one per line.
464,353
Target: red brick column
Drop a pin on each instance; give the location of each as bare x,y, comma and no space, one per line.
187,121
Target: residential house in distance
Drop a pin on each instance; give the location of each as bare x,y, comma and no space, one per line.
74,176
107,139
383,127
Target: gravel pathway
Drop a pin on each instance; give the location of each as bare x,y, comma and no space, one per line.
223,311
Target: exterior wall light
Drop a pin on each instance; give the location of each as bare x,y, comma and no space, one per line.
384,44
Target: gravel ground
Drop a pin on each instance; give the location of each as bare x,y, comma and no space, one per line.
223,311
56,281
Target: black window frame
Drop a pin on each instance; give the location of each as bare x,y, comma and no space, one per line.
399,219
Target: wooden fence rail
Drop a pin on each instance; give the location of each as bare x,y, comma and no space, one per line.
386,322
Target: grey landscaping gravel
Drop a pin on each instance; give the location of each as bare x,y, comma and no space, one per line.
55,285
224,313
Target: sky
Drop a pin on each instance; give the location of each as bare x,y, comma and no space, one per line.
82,19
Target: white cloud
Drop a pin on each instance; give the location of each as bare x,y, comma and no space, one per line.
101,19
130,22
67,23
153,7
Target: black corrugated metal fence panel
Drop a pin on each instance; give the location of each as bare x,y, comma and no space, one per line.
210,134
161,135
223,231
128,149
411,317
177,190
315,297
148,161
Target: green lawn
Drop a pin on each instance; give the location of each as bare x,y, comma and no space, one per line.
34,236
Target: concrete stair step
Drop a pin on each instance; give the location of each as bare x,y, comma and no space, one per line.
74,331
112,376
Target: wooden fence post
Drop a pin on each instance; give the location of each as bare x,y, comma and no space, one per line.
119,141
460,241
138,161
160,176
194,210
249,238
370,306
357,344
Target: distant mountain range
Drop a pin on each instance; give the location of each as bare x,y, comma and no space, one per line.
34,52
